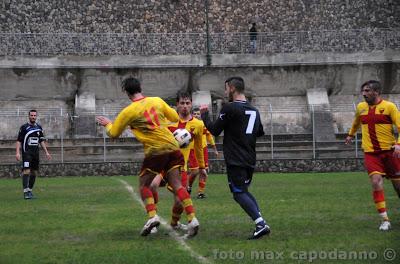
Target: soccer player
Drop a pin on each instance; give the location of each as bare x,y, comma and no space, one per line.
148,118
195,127
241,124
30,136
193,164
381,149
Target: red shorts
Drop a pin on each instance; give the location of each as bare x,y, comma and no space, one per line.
162,163
193,163
382,163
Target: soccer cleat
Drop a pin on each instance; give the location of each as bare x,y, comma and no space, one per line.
180,227
201,196
193,228
31,195
152,222
385,226
27,196
189,189
262,229
154,230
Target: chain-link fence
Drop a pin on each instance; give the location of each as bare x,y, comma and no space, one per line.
295,132
95,44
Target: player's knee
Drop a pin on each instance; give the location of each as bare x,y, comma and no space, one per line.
377,181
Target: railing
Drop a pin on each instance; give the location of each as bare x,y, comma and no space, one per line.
95,44
290,134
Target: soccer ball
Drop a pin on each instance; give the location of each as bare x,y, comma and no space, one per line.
183,137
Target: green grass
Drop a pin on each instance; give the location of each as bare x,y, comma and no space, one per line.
95,220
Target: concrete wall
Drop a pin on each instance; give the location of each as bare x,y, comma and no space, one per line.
64,84
283,88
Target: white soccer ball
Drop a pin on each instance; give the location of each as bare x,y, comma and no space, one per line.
183,137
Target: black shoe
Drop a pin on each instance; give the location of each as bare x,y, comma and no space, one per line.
261,230
201,196
189,189
27,196
31,195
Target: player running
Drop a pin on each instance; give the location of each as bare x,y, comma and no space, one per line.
193,164
381,149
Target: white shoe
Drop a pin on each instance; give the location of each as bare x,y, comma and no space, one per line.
152,222
180,227
385,226
193,228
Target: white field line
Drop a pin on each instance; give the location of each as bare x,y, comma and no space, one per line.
181,240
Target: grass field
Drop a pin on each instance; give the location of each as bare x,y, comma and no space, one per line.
319,218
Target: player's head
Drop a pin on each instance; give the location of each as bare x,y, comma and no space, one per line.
32,116
196,112
183,103
131,86
371,91
234,85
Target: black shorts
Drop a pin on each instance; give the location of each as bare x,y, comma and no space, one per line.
239,178
30,160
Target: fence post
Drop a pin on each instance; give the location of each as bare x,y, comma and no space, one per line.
104,139
62,135
356,136
272,132
313,131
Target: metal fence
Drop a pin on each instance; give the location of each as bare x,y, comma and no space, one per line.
95,44
291,133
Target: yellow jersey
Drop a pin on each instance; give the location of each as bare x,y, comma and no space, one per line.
148,118
376,125
195,127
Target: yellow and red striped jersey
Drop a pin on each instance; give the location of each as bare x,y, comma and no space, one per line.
376,125
195,127
148,118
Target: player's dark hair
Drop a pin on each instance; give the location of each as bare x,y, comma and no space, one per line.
236,82
181,94
32,110
131,86
195,109
374,85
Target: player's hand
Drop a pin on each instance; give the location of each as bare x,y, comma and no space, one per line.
396,152
203,108
348,140
102,120
216,153
48,156
18,156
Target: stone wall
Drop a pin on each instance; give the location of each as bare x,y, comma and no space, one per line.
125,168
146,16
